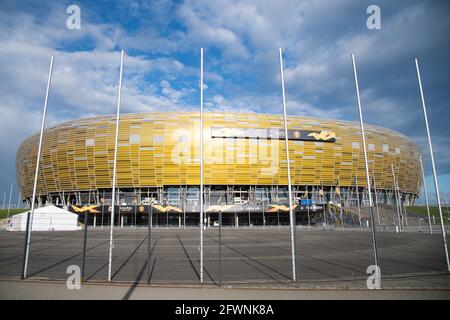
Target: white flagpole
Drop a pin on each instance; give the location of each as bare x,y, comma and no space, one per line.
113,196
374,239
291,213
36,175
432,165
9,202
426,196
201,165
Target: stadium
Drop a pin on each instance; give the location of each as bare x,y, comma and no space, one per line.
245,168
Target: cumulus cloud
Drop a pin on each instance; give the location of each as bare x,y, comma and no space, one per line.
241,40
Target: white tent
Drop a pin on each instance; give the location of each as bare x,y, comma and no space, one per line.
49,218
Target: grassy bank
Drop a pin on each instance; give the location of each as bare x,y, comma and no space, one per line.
434,211
4,212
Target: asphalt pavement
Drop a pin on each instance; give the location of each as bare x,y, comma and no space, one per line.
251,258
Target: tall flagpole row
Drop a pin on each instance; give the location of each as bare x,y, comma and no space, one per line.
374,238
294,256
36,175
113,196
291,213
444,239
201,165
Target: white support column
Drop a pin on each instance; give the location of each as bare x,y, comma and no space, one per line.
18,200
357,201
375,192
9,202
397,201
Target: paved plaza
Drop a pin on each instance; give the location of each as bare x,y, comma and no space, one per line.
249,256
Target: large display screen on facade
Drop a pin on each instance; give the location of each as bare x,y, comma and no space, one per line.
273,133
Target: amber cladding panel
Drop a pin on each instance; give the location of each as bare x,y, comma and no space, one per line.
161,149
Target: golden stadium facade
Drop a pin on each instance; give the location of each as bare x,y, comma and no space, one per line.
244,161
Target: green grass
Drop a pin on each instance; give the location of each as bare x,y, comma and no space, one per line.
4,212
434,211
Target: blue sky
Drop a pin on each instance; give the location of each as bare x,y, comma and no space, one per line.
162,40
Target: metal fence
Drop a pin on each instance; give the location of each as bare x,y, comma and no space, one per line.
256,255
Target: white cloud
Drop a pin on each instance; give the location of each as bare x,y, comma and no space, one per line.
203,29
84,83
241,39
